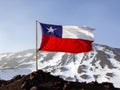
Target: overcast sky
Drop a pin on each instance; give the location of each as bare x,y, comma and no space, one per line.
17,20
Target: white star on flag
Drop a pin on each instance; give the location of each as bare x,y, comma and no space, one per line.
51,30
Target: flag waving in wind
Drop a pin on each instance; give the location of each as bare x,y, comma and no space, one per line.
72,39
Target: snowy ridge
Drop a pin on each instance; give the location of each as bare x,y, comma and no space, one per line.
101,65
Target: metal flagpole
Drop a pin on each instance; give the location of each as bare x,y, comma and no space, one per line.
36,46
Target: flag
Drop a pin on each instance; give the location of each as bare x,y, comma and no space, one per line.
72,39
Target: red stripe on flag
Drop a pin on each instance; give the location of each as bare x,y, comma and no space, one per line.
51,43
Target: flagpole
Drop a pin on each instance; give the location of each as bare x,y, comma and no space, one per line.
36,46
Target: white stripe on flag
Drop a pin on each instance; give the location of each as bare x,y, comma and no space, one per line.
77,32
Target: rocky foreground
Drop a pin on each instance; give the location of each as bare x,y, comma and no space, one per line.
44,81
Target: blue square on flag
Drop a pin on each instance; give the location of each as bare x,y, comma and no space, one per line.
52,30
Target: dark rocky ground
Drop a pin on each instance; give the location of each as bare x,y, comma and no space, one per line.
44,81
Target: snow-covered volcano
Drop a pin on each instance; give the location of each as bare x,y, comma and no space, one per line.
101,65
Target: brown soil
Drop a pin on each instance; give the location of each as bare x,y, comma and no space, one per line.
44,81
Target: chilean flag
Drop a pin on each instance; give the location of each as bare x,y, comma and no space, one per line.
72,39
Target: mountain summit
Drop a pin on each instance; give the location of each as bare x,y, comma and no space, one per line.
44,81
